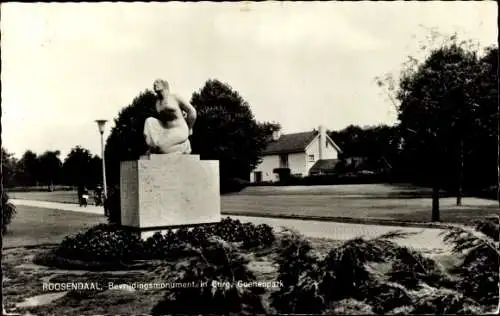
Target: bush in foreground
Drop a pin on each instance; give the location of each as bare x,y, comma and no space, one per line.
414,284
358,276
110,243
101,243
298,270
214,273
8,211
479,276
443,301
412,269
248,234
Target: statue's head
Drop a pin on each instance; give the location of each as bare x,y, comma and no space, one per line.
160,85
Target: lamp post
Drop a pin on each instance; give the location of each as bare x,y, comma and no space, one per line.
100,125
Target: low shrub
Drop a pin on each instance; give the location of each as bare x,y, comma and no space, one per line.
489,226
248,234
402,310
8,211
164,246
412,269
330,179
479,247
299,272
214,274
284,174
490,193
443,301
231,185
347,275
40,188
196,236
351,307
346,267
103,242
385,297
107,242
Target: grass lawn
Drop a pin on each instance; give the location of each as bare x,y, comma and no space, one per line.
365,201
35,226
23,279
55,196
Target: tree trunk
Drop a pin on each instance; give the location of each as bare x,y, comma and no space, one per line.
435,201
460,172
435,188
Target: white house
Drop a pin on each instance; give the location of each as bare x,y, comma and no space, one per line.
306,153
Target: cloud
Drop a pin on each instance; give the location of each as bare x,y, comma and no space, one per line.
294,26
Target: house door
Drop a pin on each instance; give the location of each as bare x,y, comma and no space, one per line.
257,175
284,161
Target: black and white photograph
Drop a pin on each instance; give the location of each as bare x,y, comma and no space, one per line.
250,158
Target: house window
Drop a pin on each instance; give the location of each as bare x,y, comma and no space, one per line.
311,158
284,161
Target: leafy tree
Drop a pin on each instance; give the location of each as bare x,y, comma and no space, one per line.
29,164
50,168
126,140
484,142
95,167
267,129
444,116
377,145
349,140
226,130
437,102
10,168
81,168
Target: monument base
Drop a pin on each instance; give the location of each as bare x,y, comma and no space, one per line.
160,192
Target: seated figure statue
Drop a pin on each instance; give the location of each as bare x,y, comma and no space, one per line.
169,133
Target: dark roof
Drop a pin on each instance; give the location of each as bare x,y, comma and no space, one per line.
290,143
324,166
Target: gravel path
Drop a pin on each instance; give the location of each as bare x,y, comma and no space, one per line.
425,238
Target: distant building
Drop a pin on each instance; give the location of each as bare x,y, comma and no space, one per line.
306,153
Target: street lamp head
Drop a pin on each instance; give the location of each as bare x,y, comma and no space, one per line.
100,125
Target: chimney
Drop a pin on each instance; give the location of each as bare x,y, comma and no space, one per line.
276,135
322,140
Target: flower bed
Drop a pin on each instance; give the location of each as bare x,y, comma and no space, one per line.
105,247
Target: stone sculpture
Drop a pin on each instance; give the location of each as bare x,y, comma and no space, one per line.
169,133
168,187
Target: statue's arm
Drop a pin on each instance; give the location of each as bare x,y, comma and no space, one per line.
189,110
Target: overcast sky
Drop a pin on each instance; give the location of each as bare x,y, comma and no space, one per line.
300,64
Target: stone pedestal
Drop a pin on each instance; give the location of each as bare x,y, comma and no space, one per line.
158,192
